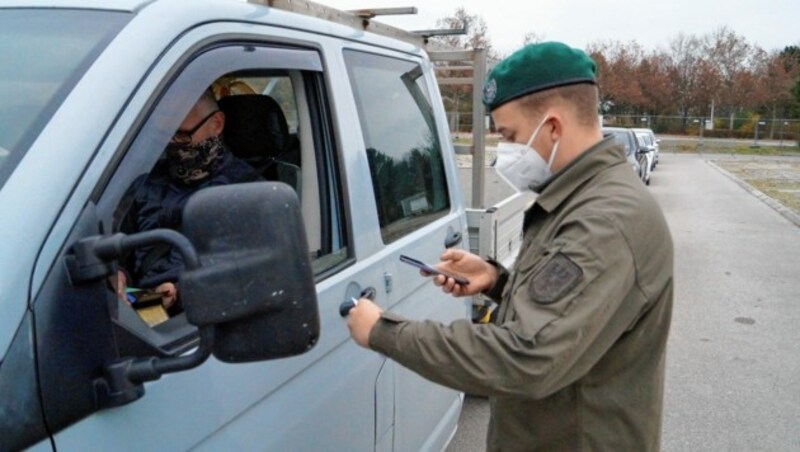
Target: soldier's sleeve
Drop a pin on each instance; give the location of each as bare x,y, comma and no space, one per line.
572,303
496,291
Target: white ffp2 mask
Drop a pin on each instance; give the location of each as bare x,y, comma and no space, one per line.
521,165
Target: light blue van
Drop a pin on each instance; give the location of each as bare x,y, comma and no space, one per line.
261,359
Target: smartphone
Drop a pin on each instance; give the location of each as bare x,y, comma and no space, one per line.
430,269
141,298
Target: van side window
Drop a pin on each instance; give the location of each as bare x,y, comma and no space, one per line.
402,144
276,126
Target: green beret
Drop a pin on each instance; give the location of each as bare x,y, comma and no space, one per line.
537,67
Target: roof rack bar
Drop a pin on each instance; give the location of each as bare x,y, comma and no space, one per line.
312,9
369,13
453,68
441,32
452,55
456,81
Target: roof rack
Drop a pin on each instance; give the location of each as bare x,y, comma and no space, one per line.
362,19
358,19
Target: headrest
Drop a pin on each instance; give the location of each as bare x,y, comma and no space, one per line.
255,126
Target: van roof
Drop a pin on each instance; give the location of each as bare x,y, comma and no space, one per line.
116,5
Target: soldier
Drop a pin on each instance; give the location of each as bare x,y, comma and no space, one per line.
574,359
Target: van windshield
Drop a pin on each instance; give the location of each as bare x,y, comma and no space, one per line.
44,52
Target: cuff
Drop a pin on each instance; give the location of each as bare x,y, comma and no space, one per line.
495,293
383,336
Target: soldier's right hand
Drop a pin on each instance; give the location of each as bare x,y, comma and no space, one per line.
481,274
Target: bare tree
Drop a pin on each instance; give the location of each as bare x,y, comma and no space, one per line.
458,98
730,54
693,78
477,31
532,37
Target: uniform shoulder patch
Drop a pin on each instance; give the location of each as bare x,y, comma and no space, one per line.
554,280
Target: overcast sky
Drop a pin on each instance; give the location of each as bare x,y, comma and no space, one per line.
770,24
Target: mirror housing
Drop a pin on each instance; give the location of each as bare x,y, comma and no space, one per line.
255,284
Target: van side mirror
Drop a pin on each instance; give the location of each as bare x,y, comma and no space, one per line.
254,284
248,283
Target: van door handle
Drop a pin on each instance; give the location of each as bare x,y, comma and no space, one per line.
347,305
453,238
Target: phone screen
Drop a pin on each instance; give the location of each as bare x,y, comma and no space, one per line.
430,269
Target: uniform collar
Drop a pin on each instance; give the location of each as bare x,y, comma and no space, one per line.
604,154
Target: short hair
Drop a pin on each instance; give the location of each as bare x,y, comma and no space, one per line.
584,97
207,102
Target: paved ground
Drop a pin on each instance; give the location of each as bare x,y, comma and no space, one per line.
733,370
778,178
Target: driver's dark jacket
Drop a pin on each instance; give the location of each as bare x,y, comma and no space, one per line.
575,358
158,203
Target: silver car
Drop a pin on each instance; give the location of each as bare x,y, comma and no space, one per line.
650,140
628,140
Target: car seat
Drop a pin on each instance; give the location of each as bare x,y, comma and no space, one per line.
257,132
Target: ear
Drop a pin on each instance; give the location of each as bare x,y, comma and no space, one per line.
555,126
217,123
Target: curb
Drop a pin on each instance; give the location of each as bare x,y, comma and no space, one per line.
778,207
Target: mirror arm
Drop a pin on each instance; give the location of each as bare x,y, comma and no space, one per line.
91,257
122,380
114,246
152,368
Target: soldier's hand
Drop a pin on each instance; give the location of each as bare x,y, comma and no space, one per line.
481,274
361,319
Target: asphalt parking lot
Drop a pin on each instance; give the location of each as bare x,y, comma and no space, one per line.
733,372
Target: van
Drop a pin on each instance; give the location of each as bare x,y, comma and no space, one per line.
261,359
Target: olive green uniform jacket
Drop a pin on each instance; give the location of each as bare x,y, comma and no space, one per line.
575,357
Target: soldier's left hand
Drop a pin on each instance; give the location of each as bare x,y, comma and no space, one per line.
361,320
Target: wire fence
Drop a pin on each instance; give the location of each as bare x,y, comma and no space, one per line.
754,128
697,126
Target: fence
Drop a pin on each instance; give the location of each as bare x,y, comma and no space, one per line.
753,128
722,127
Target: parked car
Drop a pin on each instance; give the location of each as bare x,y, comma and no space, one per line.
646,154
627,138
261,359
650,141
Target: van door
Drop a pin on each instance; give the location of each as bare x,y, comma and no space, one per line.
324,399
412,185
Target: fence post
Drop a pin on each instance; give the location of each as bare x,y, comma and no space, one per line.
700,132
755,141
